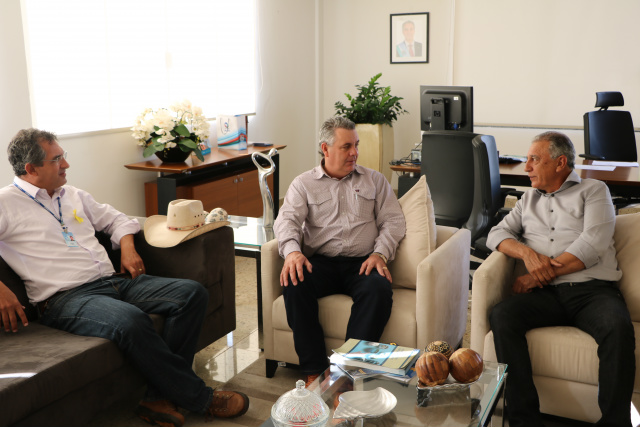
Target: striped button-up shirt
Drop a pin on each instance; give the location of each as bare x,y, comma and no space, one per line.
353,216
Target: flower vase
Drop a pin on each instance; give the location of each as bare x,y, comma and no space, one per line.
173,155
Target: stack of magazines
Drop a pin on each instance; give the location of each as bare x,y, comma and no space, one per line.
362,359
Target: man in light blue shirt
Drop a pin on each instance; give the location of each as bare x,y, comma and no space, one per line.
563,231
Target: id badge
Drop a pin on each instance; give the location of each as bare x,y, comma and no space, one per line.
69,240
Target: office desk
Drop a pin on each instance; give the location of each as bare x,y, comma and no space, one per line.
622,181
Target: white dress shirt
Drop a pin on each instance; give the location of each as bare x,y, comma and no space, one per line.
32,243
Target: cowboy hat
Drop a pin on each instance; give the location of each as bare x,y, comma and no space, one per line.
185,220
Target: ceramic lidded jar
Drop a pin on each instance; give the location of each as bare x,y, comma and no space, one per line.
300,407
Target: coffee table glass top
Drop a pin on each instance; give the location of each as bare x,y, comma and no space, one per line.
469,405
249,232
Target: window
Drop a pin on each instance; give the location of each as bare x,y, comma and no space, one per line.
96,64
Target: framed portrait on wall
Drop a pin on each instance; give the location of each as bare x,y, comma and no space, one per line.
409,40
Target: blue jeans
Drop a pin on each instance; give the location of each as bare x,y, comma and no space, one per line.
596,307
117,309
372,300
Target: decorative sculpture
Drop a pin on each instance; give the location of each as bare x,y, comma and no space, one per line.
267,199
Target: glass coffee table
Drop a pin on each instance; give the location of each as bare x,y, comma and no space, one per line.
469,405
249,235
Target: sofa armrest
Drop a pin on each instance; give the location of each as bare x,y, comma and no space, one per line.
442,291
491,284
271,265
208,259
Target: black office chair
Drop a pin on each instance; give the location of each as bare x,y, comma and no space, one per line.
609,134
464,179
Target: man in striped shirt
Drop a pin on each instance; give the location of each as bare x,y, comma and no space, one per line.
351,223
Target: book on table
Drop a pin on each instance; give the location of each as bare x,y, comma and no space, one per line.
359,373
390,358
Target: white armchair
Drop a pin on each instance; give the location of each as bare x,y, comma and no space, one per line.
435,310
564,359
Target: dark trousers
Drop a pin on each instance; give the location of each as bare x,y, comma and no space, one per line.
596,307
372,300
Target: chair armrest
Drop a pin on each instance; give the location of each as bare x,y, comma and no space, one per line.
271,266
442,291
491,284
208,259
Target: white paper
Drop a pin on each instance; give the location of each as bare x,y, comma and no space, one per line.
595,168
608,163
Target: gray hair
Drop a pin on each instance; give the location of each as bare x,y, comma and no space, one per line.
559,145
25,148
328,130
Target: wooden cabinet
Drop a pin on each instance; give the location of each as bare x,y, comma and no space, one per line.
226,178
237,193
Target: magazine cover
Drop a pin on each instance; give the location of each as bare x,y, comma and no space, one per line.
377,356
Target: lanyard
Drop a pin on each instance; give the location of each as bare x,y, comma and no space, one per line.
64,227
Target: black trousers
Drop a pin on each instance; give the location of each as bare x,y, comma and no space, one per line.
372,300
596,307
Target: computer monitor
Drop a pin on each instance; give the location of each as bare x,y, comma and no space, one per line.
446,108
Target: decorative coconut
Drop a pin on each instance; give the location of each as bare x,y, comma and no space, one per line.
441,347
465,365
432,368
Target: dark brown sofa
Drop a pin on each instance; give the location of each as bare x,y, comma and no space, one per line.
53,378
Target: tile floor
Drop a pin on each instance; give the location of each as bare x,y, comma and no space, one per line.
220,361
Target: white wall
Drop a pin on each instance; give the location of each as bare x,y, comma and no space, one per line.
286,110
14,92
539,64
356,47
312,52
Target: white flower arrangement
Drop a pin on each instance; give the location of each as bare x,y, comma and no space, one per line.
182,125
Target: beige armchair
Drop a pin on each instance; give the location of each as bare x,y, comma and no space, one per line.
564,359
435,310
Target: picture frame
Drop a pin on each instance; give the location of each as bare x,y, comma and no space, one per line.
409,38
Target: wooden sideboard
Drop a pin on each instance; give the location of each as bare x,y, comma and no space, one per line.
226,178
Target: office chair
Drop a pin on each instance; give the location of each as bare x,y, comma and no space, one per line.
609,134
487,193
464,179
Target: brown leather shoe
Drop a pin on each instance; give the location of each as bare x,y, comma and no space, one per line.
310,379
228,404
160,413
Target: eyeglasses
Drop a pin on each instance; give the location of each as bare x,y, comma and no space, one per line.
58,159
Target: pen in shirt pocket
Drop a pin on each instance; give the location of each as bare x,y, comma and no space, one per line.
357,191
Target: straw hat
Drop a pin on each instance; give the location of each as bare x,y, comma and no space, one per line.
185,220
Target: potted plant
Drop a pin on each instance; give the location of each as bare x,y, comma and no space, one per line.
172,134
373,110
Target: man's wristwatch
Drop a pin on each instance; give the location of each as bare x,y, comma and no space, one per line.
384,258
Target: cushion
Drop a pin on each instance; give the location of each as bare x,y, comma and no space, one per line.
43,364
420,238
627,242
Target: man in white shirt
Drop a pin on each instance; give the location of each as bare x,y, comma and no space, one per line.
47,236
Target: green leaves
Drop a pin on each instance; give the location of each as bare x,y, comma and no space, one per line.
186,143
373,104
